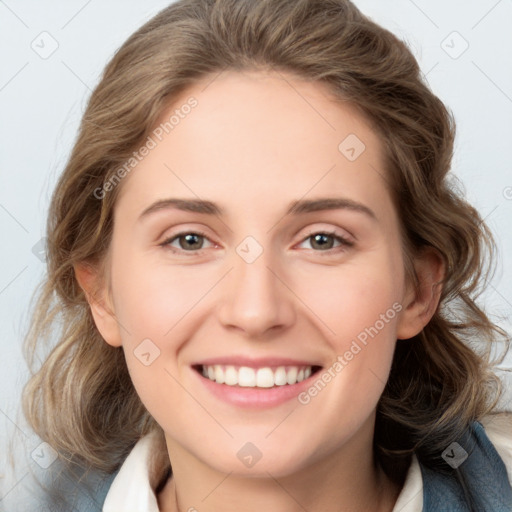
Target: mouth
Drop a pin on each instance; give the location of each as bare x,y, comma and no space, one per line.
263,377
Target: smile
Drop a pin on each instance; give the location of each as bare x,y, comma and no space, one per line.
265,377
252,383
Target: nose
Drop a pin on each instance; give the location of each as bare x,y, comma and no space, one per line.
256,299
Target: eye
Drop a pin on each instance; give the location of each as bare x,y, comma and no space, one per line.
324,241
193,242
188,241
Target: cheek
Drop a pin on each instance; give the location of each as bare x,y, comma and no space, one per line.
351,298
151,300
359,307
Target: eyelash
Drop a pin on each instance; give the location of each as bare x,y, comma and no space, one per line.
344,242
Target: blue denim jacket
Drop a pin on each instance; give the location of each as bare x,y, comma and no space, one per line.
483,473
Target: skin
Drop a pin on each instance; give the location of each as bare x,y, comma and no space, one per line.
254,143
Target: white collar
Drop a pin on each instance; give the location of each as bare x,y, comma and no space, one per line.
131,490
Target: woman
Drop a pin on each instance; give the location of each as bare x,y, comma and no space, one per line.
263,278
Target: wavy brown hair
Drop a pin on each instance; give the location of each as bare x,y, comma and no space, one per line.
81,399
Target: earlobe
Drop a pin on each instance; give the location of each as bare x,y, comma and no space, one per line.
98,298
421,301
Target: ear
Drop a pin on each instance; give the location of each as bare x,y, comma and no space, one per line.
421,301
99,301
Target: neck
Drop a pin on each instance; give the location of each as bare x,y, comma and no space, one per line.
275,496
327,485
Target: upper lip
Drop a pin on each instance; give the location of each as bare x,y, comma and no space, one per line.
254,362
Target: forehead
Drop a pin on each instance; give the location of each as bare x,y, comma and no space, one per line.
256,135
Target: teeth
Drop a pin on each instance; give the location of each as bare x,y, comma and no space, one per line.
291,375
230,376
256,378
280,376
219,375
264,378
246,377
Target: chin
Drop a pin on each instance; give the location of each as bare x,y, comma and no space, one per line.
249,461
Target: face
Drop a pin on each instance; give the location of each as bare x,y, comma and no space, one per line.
282,262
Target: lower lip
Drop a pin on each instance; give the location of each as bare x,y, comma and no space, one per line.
255,398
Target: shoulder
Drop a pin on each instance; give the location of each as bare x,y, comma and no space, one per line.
498,428
59,488
474,470
62,487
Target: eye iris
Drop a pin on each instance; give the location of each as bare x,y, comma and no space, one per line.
320,239
192,239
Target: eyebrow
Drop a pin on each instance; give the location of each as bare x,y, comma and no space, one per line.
297,207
